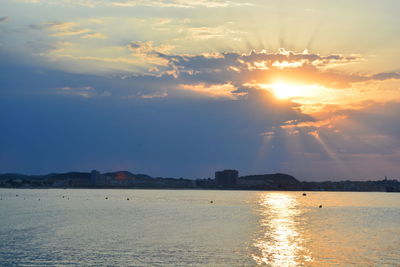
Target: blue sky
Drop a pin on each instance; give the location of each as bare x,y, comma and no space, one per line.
184,88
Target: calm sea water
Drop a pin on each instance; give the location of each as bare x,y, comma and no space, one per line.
183,228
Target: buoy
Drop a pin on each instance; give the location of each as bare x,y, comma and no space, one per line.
211,201
16,195
320,206
304,194
127,198
106,197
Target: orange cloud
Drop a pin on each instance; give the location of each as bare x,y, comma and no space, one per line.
215,90
328,123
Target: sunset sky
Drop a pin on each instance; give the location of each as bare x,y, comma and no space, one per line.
183,88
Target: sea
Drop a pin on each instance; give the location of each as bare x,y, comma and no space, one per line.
93,227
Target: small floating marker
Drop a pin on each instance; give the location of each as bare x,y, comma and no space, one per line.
320,206
304,194
16,195
211,201
106,197
39,199
63,196
127,198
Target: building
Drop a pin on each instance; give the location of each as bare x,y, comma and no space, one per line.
226,178
98,179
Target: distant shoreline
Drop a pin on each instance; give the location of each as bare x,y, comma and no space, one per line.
191,189
224,180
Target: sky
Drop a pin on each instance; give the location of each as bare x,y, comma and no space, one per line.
183,88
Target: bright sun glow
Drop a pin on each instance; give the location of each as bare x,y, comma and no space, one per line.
309,96
286,90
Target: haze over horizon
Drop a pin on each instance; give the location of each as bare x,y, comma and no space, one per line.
183,88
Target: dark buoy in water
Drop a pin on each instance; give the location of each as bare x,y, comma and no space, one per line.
304,194
211,201
39,199
63,196
106,197
320,206
16,195
127,198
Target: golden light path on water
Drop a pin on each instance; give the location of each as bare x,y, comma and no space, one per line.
280,243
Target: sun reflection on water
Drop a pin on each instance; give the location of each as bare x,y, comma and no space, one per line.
280,241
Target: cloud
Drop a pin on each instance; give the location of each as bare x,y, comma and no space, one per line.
149,52
148,3
147,47
4,19
369,129
154,95
386,76
180,3
60,28
233,75
94,36
31,1
328,123
84,91
200,72
264,67
66,29
227,90
207,33
252,131
255,61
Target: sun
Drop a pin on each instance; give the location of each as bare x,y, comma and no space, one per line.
284,90
310,97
